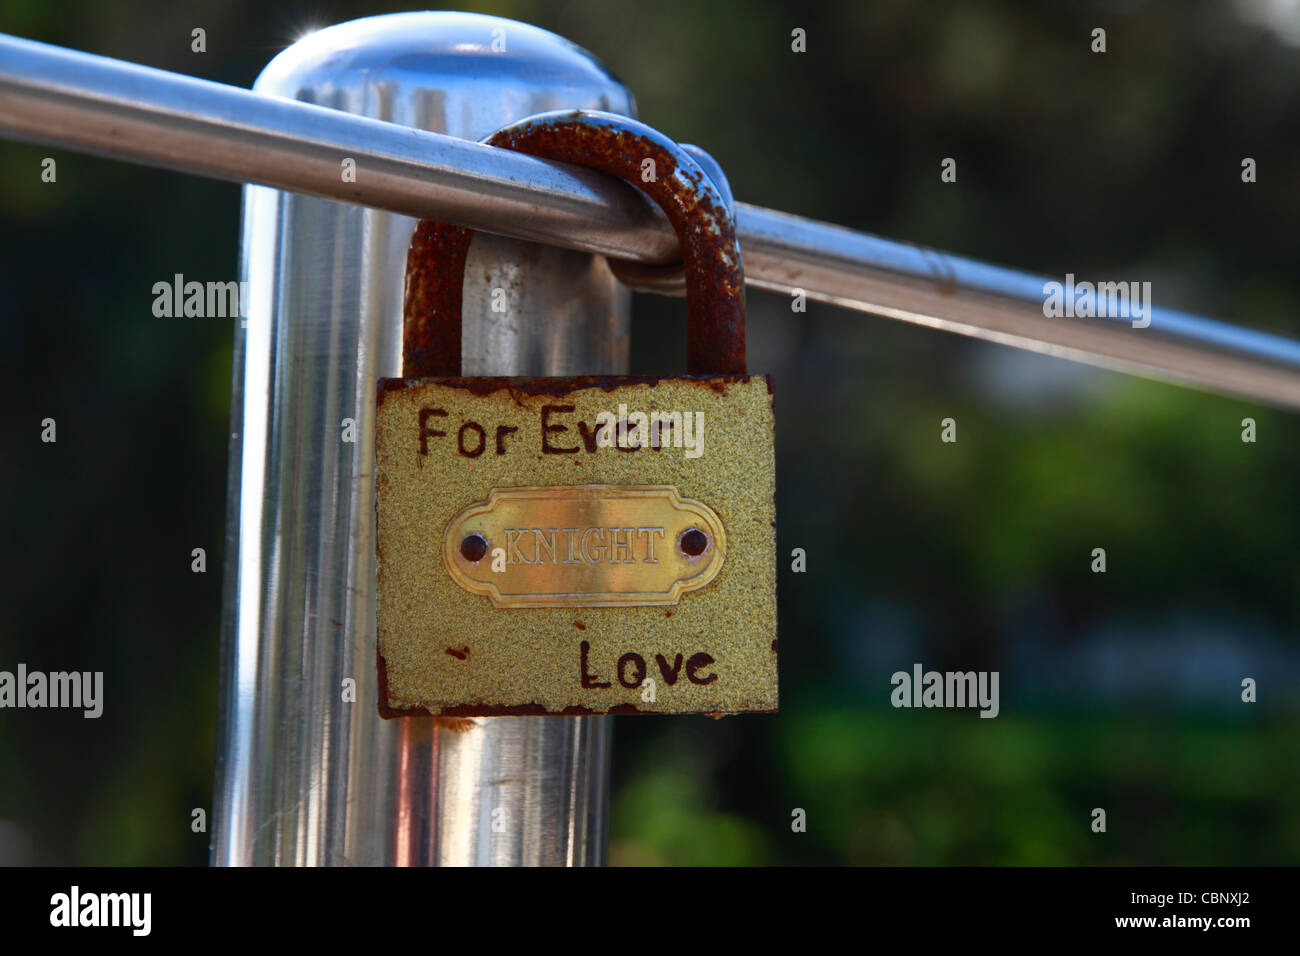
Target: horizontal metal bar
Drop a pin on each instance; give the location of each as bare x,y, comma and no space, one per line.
918,285
125,111
108,107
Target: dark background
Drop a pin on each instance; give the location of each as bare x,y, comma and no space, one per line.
1119,690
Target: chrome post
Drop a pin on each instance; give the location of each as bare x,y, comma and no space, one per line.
304,775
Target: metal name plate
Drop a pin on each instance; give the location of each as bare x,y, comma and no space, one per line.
585,546
576,546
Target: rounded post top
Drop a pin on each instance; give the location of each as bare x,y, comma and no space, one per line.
464,74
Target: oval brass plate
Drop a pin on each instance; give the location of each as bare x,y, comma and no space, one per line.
585,546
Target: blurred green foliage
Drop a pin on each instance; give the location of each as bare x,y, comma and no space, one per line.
1118,691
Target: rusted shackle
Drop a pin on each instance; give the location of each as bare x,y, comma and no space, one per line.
694,204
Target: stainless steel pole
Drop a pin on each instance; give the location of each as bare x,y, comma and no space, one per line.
121,109
307,774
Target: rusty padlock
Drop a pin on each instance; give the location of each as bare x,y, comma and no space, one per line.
576,545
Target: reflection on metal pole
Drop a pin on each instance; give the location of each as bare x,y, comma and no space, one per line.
304,775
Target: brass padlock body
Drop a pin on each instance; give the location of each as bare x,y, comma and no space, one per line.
594,605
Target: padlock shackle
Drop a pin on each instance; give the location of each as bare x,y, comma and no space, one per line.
622,147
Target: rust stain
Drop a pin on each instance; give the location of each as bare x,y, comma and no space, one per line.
460,712
941,271
457,725
550,387
460,654
431,300
715,282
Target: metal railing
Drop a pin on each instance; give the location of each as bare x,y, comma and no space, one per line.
111,108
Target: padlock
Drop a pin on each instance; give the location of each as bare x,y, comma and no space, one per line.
588,545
